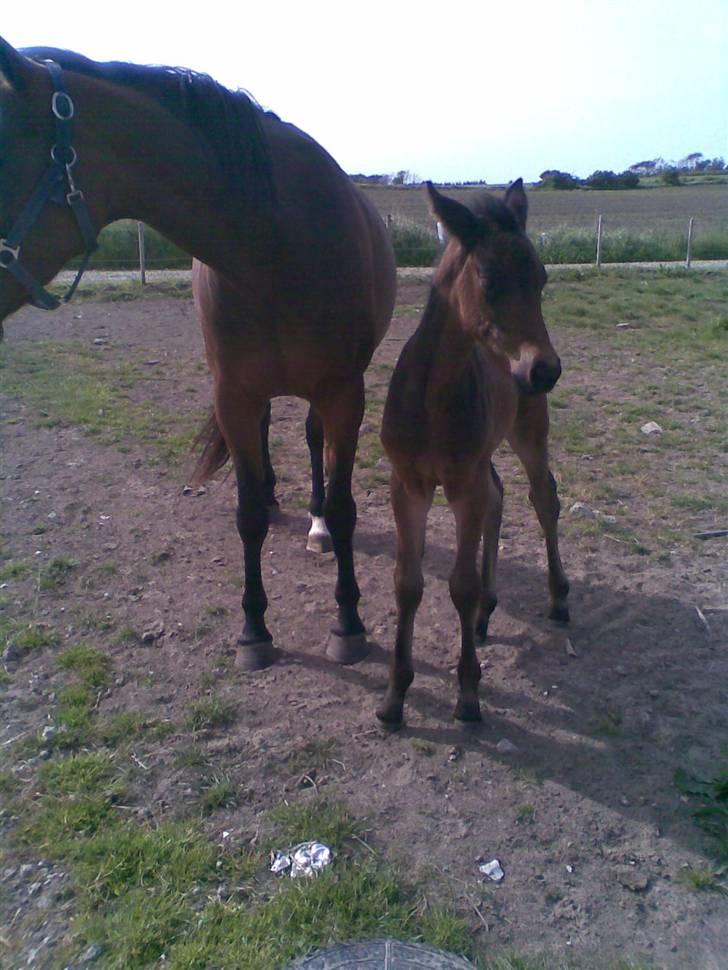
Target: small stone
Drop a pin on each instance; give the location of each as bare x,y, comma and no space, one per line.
11,653
651,427
582,511
505,746
92,953
154,632
636,882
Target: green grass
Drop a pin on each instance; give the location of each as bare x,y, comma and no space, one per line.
710,799
73,383
210,713
15,569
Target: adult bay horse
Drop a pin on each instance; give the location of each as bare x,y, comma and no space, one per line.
293,278
476,371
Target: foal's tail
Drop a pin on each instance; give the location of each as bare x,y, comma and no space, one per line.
214,451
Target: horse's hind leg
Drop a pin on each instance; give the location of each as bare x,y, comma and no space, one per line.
341,410
269,476
529,440
410,515
470,509
491,538
239,418
319,539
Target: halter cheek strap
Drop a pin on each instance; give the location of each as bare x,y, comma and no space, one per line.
56,185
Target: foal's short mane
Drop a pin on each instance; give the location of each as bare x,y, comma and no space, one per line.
230,121
487,206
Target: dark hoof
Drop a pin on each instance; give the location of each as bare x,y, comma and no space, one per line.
388,725
559,614
255,656
468,712
347,649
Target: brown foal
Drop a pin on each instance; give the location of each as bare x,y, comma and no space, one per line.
475,372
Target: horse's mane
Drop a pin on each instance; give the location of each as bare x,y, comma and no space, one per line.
230,121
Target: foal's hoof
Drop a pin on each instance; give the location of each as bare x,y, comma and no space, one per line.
347,649
319,539
560,614
390,715
255,656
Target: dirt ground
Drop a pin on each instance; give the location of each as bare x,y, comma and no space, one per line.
581,809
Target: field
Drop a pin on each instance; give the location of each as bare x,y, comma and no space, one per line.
640,225
144,778
658,209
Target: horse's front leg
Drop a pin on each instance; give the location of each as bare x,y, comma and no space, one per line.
469,506
341,410
410,515
529,440
239,418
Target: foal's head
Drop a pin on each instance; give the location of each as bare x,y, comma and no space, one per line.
498,282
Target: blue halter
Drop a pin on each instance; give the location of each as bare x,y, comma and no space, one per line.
51,188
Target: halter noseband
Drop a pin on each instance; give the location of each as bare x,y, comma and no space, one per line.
51,188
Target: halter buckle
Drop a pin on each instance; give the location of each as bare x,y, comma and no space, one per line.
62,106
8,254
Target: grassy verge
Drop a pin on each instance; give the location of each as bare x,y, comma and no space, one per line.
72,383
709,796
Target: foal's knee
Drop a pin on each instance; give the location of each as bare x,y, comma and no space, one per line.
465,587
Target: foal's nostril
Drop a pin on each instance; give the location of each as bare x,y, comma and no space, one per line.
544,375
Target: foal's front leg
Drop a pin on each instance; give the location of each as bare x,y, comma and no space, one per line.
529,440
410,515
470,511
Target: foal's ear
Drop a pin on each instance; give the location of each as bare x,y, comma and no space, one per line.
456,218
517,202
13,67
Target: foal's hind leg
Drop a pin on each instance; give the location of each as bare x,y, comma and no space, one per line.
491,538
319,539
239,418
529,440
341,410
410,515
470,511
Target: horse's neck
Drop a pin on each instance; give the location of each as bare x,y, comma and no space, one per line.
160,173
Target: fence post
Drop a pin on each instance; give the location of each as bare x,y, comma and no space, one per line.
689,254
599,242
142,253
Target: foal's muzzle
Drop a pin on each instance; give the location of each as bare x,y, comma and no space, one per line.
541,378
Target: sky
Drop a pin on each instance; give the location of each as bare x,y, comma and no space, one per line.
457,91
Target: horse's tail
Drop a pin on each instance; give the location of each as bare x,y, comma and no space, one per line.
214,451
